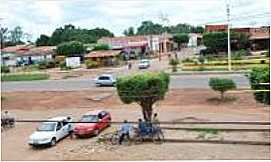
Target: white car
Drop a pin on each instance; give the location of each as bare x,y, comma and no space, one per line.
48,133
105,80
144,64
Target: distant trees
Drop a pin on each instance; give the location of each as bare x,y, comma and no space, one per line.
218,41
98,47
148,28
129,32
70,48
222,85
71,33
180,39
11,37
43,40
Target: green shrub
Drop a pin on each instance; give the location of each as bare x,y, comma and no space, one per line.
144,89
91,64
47,64
98,47
222,85
201,59
174,62
239,55
188,60
260,75
62,65
5,69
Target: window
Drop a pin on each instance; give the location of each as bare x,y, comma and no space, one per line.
104,78
65,122
59,126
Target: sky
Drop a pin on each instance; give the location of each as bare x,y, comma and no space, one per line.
43,16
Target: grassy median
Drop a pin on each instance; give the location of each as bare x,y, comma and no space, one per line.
24,77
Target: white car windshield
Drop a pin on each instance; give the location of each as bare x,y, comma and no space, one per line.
89,118
47,127
104,78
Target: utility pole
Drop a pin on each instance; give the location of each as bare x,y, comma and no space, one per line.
229,39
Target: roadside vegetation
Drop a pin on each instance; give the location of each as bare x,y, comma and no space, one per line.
260,82
24,77
222,85
144,89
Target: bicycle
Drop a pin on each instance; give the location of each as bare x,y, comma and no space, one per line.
155,134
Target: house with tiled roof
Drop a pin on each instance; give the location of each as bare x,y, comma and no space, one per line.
26,54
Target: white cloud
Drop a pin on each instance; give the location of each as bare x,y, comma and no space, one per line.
37,17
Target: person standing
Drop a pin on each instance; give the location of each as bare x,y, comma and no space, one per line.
125,131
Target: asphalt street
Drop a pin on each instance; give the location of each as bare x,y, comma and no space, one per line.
181,81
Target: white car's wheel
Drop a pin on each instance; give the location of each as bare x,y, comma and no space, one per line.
53,142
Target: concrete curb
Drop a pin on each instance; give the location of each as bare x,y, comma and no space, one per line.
207,72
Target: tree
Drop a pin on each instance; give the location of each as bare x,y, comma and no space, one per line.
71,33
256,77
144,89
129,31
174,62
222,85
70,48
43,40
216,41
16,35
148,28
181,39
3,36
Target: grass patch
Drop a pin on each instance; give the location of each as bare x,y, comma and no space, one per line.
226,99
24,77
206,130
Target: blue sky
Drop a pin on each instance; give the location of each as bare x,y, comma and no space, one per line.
42,17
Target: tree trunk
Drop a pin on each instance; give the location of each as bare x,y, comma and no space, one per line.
147,111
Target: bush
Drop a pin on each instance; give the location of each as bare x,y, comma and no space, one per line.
188,60
144,89
62,65
98,47
239,55
24,77
174,62
47,64
91,64
222,85
260,75
5,69
201,59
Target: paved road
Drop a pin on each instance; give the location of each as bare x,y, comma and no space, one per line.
182,81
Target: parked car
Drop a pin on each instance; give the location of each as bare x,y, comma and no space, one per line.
105,80
98,120
48,133
144,64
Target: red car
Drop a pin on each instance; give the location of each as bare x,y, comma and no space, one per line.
102,118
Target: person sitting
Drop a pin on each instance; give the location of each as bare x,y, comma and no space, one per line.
155,122
143,127
125,131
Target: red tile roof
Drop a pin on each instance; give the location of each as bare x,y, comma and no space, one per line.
29,50
104,53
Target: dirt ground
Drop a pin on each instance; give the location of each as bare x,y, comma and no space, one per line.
179,105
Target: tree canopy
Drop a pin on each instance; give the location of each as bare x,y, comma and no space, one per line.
71,33
43,40
181,38
222,85
70,48
12,37
218,41
144,89
129,32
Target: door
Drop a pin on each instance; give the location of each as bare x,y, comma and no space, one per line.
59,131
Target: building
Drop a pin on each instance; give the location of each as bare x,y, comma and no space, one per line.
216,28
259,37
104,57
140,44
26,54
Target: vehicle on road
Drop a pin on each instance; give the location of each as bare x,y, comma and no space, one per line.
51,131
95,122
144,64
105,80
